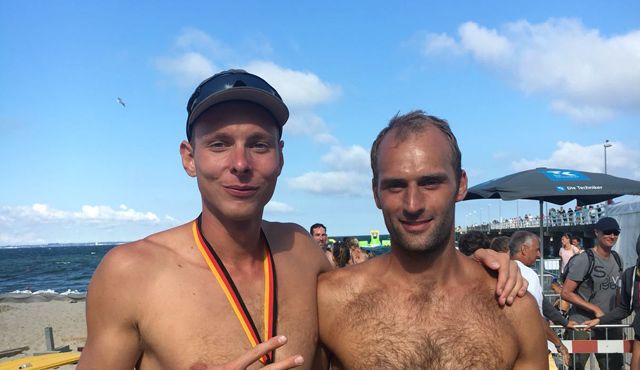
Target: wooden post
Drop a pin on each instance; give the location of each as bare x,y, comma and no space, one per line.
48,338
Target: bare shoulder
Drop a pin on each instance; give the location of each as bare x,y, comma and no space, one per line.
529,329
144,252
292,239
118,297
135,263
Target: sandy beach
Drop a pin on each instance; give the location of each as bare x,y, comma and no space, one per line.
22,324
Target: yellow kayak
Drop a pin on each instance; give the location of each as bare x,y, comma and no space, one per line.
47,361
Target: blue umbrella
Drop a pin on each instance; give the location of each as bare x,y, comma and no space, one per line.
554,185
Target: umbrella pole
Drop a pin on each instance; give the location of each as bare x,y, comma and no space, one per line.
541,247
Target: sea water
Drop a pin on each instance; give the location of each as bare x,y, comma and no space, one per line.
48,272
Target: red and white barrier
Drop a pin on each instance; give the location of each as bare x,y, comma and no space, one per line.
598,346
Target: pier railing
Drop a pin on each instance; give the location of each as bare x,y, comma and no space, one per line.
582,217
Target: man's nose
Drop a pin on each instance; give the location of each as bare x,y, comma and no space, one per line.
240,161
413,200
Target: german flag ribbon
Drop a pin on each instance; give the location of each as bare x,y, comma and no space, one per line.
233,295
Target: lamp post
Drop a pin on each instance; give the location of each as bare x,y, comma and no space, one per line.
606,145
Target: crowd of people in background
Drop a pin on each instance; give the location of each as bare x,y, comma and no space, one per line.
588,284
586,215
339,253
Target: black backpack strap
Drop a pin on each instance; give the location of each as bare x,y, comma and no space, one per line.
587,277
616,256
592,264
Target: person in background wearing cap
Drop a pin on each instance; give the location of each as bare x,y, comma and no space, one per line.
629,302
423,305
593,293
225,289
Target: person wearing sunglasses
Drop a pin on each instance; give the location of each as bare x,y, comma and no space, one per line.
629,302
591,286
228,288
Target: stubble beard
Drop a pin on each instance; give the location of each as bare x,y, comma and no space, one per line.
434,240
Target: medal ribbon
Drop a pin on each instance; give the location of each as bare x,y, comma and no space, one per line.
233,295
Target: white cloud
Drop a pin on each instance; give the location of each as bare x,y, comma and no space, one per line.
198,56
12,238
440,43
192,39
310,124
188,69
485,44
582,113
40,223
298,89
354,158
350,174
621,160
333,183
586,75
278,207
42,213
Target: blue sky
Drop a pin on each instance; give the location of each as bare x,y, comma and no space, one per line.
522,84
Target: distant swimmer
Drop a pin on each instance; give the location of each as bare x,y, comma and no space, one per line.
121,102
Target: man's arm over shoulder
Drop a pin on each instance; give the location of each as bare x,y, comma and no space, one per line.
113,341
528,325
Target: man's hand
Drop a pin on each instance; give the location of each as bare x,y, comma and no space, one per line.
591,323
260,350
598,312
564,352
571,325
510,281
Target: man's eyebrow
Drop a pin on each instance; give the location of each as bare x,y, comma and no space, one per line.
391,182
262,136
433,179
215,135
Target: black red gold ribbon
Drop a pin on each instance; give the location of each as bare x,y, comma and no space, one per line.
233,295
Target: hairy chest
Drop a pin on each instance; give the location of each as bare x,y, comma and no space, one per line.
427,332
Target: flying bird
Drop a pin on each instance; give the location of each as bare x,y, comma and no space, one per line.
121,102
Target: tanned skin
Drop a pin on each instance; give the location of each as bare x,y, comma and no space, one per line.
424,305
156,303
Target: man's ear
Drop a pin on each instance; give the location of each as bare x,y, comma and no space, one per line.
186,153
462,186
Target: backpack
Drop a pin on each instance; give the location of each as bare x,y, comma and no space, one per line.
592,263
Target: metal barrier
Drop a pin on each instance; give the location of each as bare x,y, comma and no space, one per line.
585,217
595,349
